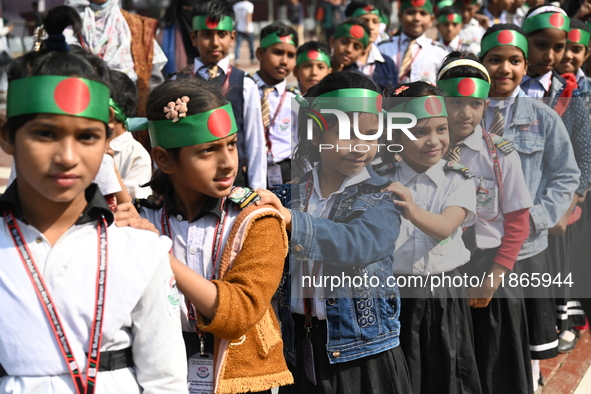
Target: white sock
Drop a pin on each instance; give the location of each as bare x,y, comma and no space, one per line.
567,335
535,371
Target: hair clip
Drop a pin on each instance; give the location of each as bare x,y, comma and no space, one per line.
171,112
401,89
305,106
181,106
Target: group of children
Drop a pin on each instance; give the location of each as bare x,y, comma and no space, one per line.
490,180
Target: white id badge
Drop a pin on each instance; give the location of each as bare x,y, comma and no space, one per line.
201,371
274,175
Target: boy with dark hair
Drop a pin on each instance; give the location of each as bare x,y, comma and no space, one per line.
449,24
312,64
213,34
417,57
277,56
350,40
131,158
382,70
472,31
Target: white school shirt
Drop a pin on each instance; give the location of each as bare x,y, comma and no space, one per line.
457,44
506,107
493,21
434,190
427,54
134,164
141,307
536,87
472,32
374,56
280,132
193,241
319,206
254,132
242,9
476,156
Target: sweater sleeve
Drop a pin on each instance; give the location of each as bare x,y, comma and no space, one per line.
245,293
516,229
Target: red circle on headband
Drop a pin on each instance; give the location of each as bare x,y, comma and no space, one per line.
574,35
450,17
72,96
286,39
417,3
379,100
433,106
505,37
211,23
466,87
368,8
313,54
356,31
219,123
557,20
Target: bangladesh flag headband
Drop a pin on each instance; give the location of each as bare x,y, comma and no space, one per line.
465,87
369,9
504,37
275,38
313,54
59,95
203,22
578,36
350,100
422,107
424,4
547,20
442,4
449,18
131,124
356,32
193,130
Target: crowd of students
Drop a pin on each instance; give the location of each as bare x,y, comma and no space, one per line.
252,188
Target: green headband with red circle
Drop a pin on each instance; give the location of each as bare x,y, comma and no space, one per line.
546,20
59,95
449,18
422,107
356,32
368,9
442,4
424,4
275,38
203,22
504,37
313,55
194,129
465,87
350,100
579,36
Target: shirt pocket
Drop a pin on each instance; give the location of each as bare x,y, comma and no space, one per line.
487,198
530,146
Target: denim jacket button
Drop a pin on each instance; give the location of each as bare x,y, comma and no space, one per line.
336,353
298,248
330,301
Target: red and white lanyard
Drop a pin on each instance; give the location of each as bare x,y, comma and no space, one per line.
492,149
272,122
51,311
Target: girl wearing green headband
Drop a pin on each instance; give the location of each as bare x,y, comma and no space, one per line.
228,295
503,203
312,64
576,53
437,200
73,284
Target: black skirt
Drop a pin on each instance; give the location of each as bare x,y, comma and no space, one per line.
437,341
382,373
500,336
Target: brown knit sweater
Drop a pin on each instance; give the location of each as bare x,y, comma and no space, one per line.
248,345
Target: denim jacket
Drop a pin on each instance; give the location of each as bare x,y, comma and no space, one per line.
359,241
549,167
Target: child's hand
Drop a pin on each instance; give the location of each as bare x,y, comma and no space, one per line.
126,215
268,198
479,297
406,202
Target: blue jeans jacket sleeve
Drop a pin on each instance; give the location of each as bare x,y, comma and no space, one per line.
581,138
368,238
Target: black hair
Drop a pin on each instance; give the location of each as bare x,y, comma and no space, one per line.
461,71
579,24
204,96
451,9
499,27
55,59
313,45
214,9
380,5
124,92
281,29
306,154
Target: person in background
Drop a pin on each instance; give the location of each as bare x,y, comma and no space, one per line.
471,31
244,29
295,13
496,11
449,24
312,64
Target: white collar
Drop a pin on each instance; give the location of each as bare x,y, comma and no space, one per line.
474,140
363,175
407,174
223,64
422,40
374,55
454,44
505,102
580,75
119,142
280,87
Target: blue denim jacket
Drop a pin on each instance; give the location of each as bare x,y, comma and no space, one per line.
549,166
359,241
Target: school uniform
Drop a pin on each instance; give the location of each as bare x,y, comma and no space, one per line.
436,328
472,32
279,139
242,94
493,20
380,69
427,56
458,44
140,316
500,330
134,164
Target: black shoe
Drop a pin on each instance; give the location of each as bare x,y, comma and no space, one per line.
565,346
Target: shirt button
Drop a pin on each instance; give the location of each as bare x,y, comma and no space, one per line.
336,353
193,250
420,236
298,248
39,240
179,217
420,177
330,301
